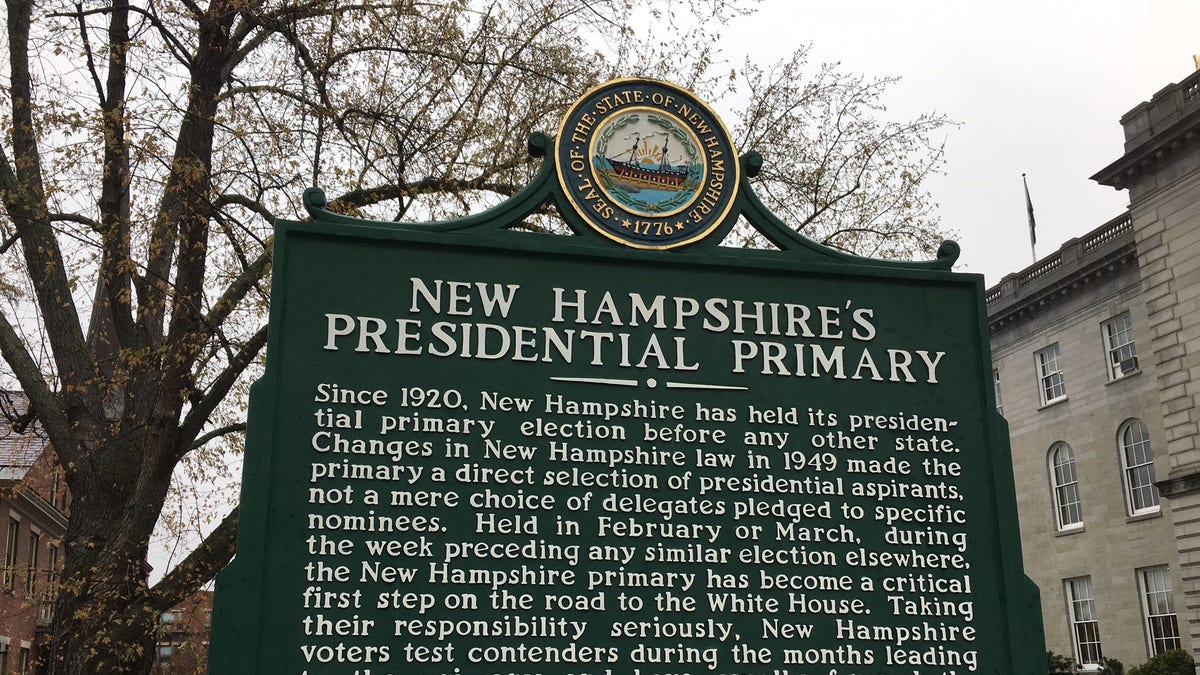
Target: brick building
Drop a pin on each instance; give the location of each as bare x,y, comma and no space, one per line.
33,519
182,641
1097,367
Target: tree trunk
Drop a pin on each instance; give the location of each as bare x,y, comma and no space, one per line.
105,616
103,622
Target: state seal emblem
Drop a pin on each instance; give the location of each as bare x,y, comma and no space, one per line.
647,164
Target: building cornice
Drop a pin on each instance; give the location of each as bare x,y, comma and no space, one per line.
1155,131
35,504
1098,254
1182,481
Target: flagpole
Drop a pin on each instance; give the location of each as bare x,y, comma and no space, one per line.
1032,223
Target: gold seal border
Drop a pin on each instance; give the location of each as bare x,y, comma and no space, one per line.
715,221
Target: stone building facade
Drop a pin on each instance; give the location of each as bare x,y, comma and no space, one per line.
1097,357
1160,169
1069,342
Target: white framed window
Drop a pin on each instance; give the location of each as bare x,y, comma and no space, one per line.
52,564
51,592
1085,624
1158,607
1118,342
35,540
55,488
1137,462
45,610
1068,509
1051,384
10,552
996,388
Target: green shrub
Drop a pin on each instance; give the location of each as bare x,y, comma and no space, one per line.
1061,665
1111,667
1174,662
1057,664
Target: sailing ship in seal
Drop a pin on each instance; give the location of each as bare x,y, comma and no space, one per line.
634,176
652,176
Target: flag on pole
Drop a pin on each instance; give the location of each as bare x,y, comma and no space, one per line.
1032,222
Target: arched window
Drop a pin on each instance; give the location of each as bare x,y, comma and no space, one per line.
1137,460
1067,508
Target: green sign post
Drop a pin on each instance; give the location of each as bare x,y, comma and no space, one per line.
632,451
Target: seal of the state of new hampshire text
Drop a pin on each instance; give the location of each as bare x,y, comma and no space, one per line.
647,164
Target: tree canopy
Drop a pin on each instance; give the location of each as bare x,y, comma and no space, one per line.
148,147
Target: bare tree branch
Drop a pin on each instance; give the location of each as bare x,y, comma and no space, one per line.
201,410
219,432
199,566
42,400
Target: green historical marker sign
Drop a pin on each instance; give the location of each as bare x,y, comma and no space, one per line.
477,451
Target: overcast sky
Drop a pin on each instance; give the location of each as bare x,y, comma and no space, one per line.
1039,87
